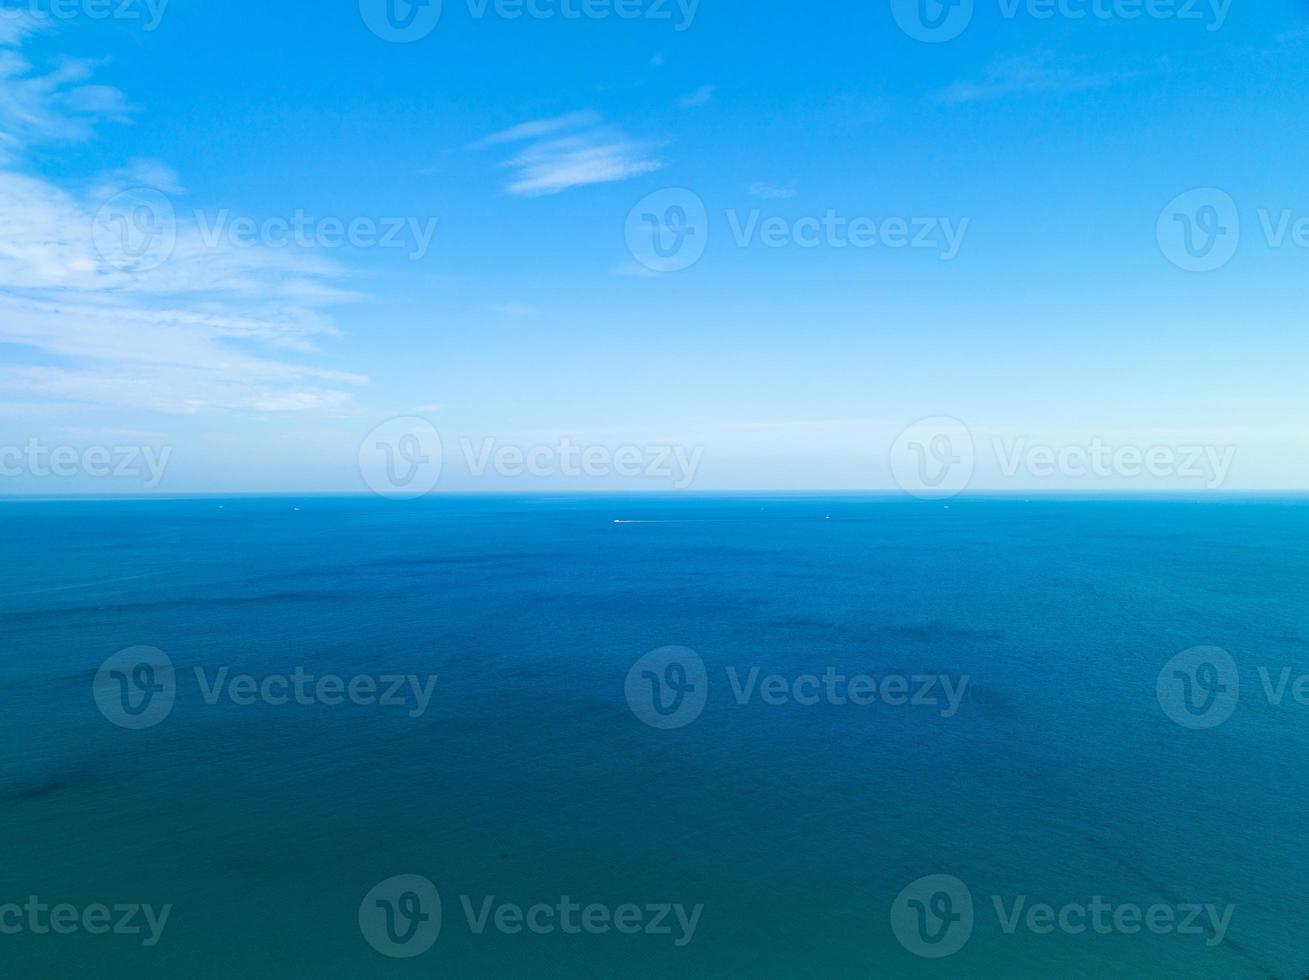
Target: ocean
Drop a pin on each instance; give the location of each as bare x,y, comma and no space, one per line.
649,737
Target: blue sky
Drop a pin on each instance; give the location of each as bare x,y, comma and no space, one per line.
1052,144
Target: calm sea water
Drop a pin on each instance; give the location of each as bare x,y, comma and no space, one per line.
530,776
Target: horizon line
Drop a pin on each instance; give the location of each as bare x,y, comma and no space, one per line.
599,494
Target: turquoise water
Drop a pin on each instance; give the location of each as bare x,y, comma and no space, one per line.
529,777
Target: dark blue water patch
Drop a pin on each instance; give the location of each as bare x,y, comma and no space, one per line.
530,775
187,602
50,784
938,633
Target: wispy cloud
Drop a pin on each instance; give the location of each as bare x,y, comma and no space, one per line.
16,25
558,165
210,326
596,154
512,309
51,106
1295,34
542,127
772,192
701,96
180,337
1024,76
634,270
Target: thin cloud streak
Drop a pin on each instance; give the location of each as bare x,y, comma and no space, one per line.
1018,77
183,336
701,96
542,127
596,155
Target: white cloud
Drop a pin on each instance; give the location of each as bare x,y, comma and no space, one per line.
542,127
53,106
701,96
208,326
596,155
549,168
15,26
772,192
1026,76
513,309
635,270
170,389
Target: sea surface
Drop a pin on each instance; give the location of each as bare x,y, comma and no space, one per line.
535,773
